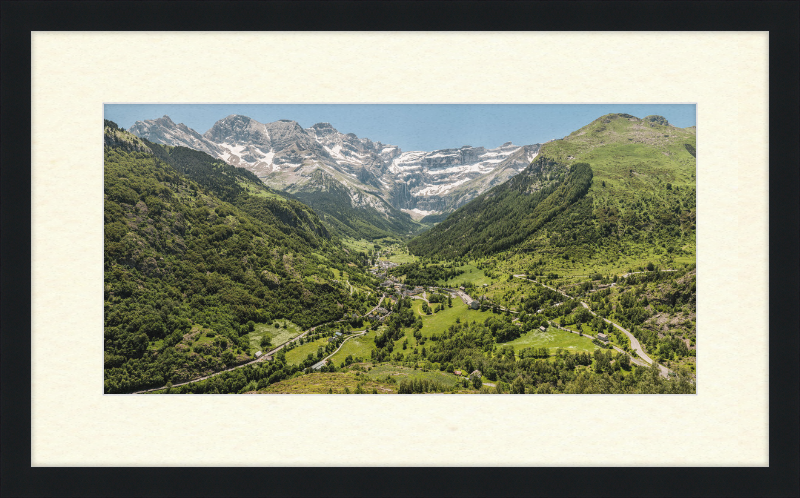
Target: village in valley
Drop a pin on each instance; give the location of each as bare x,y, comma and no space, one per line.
393,291
572,273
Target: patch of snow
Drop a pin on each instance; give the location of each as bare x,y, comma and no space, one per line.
462,168
335,151
439,154
236,150
409,157
441,189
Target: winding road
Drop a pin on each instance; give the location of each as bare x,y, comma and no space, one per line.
635,345
260,358
643,359
321,362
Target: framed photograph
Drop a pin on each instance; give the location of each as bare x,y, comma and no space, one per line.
271,256
318,210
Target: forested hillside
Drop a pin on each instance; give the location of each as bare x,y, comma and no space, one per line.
333,202
576,275
191,265
243,189
620,186
509,213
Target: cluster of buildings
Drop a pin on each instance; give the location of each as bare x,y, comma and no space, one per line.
381,268
472,303
377,314
401,288
407,291
475,373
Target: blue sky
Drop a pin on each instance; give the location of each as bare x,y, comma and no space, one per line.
414,126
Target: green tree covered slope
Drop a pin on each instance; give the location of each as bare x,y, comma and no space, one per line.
610,188
332,201
194,251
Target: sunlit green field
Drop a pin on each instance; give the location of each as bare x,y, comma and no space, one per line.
277,335
553,339
298,354
472,274
257,192
400,258
402,373
335,382
359,347
358,245
436,323
633,257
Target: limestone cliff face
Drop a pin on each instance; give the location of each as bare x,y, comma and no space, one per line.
443,180
285,155
164,131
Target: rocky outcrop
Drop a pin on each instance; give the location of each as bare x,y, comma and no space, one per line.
164,131
285,155
239,129
655,119
445,179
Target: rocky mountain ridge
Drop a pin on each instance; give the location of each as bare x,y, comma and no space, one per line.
613,186
285,155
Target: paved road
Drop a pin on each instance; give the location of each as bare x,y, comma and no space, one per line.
645,360
635,272
360,333
321,362
260,358
463,295
635,345
634,359
525,277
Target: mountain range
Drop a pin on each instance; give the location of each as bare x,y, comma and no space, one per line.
616,184
196,247
361,178
220,246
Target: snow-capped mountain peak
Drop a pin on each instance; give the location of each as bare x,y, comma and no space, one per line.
285,155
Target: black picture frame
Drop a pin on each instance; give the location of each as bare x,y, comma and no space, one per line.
781,478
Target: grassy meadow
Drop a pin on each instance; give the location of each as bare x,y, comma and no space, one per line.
399,373
322,383
553,339
277,335
472,274
300,353
358,347
436,323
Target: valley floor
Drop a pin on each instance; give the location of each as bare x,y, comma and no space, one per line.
422,322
